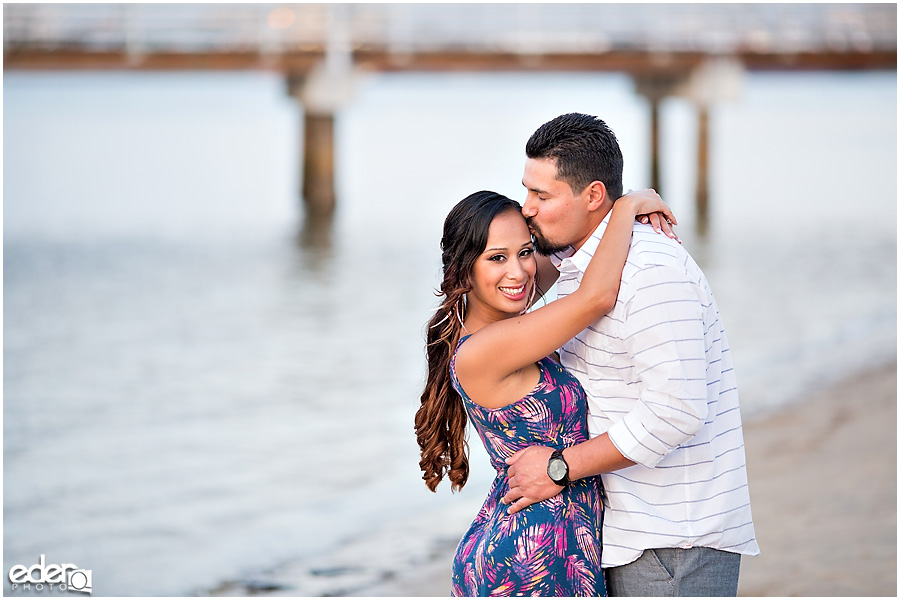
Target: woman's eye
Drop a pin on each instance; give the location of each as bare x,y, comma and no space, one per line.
497,257
526,252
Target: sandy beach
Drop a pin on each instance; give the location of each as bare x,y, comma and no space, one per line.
823,483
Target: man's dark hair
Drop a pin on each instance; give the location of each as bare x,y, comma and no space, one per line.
585,150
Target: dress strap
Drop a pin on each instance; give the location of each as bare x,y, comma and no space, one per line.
462,339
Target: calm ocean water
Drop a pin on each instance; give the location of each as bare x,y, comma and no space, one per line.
200,387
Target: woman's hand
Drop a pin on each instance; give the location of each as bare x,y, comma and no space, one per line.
650,209
660,224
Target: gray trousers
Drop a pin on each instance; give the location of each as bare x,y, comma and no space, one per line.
677,572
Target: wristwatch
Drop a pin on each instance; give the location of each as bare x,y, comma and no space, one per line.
558,468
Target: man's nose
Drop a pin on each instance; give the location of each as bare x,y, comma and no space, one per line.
529,209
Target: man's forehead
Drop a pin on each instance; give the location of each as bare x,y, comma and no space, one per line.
540,167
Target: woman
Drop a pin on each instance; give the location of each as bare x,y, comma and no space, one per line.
489,358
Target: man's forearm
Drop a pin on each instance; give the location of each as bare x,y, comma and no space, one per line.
594,457
527,472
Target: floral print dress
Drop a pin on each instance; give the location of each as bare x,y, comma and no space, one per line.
548,549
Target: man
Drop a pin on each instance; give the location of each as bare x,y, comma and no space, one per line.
664,416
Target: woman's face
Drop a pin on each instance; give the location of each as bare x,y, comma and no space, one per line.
503,274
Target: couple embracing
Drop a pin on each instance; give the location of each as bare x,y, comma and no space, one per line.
610,414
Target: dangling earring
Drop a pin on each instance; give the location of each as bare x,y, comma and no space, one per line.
459,313
531,299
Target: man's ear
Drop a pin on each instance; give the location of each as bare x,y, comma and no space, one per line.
597,195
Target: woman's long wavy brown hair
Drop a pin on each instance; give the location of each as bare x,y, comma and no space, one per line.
441,419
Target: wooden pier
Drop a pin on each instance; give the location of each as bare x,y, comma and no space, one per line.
687,50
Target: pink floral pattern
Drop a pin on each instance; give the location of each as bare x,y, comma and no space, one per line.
551,548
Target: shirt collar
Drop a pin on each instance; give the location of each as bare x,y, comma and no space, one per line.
581,257
557,258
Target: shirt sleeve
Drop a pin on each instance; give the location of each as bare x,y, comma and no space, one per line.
663,335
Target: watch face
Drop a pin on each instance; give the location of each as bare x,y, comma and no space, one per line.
556,469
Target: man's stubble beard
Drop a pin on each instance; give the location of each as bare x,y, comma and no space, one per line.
541,243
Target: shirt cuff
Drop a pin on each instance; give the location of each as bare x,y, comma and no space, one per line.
635,443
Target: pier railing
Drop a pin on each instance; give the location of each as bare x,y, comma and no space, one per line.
521,29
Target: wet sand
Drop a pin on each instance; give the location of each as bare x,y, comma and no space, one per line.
823,483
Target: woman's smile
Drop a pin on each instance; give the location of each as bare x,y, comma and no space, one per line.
514,293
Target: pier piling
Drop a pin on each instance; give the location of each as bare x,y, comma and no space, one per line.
702,168
318,163
321,93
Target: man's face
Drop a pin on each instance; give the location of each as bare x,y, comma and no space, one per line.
556,216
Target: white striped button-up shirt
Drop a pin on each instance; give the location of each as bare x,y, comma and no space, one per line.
659,378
